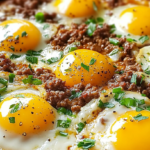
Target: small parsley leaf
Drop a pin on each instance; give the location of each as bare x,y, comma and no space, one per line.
139,117
85,66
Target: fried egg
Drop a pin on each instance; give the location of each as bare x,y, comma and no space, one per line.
85,66
113,127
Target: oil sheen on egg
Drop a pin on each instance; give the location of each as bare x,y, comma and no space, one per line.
85,66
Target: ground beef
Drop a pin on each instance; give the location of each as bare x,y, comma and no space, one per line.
25,9
98,42
58,94
124,79
114,3
6,64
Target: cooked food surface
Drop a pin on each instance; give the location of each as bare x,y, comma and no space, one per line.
74,74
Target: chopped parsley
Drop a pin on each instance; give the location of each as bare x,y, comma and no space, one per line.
86,143
33,53
12,119
4,82
32,59
147,71
115,51
64,111
13,56
12,48
31,80
40,17
95,6
11,77
91,28
85,66
120,72
15,107
93,60
99,20
30,56
143,77
139,117
144,95
143,39
63,133
133,78
131,40
105,105
30,67
138,109
17,37
71,49
46,26
131,102
112,28
64,123
114,41
24,33
19,96
118,93
1,98
80,127
52,60
75,94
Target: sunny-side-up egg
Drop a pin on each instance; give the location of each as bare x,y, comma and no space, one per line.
28,121
18,36
118,127
130,22
76,11
85,66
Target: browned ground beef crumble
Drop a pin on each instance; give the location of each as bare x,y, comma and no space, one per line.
114,3
27,9
98,42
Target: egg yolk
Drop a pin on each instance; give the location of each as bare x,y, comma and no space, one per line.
85,66
26,114
18,36
132,134
77,8
134,20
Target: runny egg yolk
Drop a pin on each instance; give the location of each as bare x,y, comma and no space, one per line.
132,134
85,66
18,36
135,20
26,114
77,8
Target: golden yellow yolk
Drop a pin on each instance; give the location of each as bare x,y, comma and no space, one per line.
75,68
26,114
77,8
135,20
18,36
132,134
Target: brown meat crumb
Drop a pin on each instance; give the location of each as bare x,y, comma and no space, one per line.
26,9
